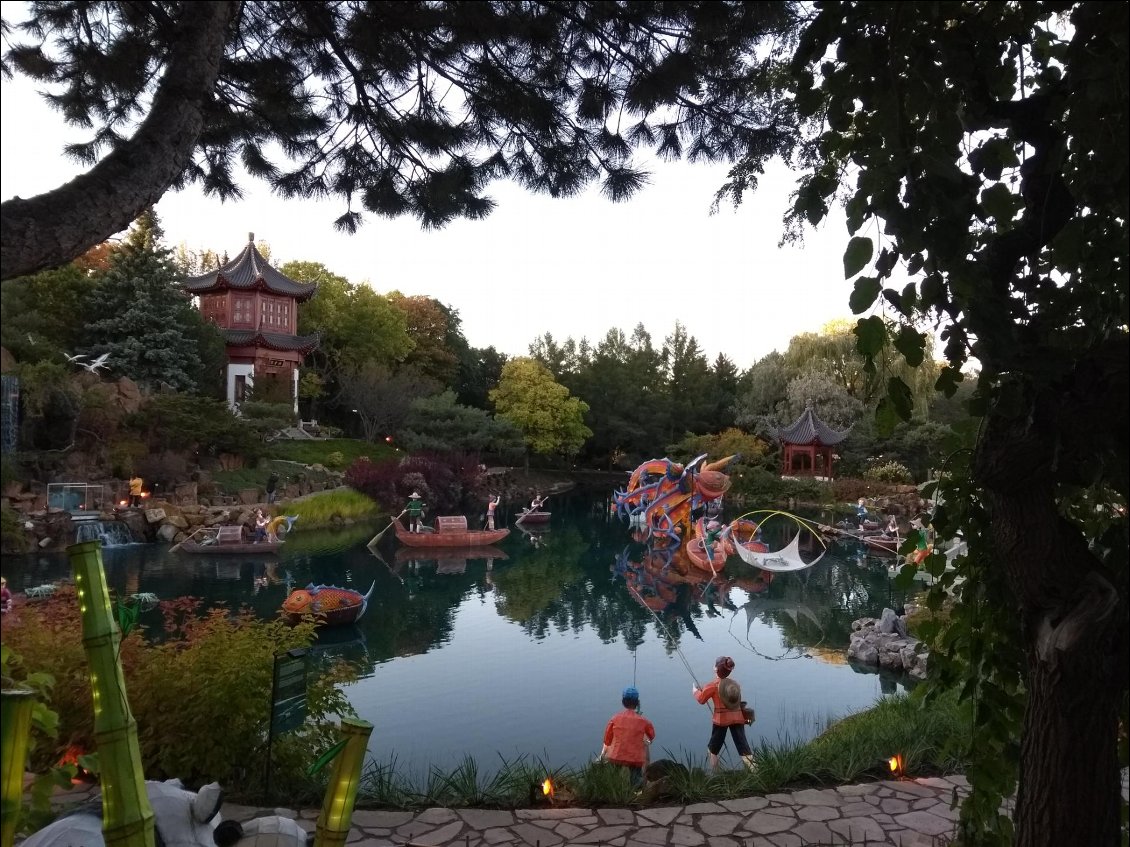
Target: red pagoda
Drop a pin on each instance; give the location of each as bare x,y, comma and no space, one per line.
806,445
257,309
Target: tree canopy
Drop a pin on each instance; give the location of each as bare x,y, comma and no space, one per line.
549,419
979,150
394,108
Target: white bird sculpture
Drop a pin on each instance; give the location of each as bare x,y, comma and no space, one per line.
97,364
76,359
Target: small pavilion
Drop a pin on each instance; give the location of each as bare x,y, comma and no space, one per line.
806,445
256,306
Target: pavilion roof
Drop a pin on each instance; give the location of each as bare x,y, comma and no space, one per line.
250,271
809,429
270,340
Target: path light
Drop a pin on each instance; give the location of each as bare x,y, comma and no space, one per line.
897,765
547,788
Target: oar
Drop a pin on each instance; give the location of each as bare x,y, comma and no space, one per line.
377,537
176,546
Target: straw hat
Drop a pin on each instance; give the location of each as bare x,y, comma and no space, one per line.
414,496
730,693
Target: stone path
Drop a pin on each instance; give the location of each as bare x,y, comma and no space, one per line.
904,813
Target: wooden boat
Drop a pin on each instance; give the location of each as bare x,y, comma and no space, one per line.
528,517
228,540
332,606
449,531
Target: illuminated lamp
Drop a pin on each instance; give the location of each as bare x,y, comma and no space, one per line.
547,788
897,765
341,793
16,707
127,816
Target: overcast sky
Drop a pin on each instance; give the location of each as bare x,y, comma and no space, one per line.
573,267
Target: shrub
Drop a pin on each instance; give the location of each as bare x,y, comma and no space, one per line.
447,482
335,460
889,471
187,422
331,508
200,696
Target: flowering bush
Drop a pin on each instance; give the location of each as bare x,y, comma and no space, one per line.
448,483
890,471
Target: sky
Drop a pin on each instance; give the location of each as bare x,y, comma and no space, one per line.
574,267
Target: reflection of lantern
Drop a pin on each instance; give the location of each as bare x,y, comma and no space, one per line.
896,764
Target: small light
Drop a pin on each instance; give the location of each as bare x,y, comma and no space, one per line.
547,787
896,764
388,438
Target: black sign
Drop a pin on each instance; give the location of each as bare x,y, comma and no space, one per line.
288,695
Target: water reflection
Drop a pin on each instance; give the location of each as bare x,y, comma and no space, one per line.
522,648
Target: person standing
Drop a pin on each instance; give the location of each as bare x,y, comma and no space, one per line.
135,485
272,486
415,510
726,697
627,736
261,522
492,504
537,502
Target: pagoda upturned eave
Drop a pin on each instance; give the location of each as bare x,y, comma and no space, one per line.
249,271
281,342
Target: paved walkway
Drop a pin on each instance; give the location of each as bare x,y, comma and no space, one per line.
905,813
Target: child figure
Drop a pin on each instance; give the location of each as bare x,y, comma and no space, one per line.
627,736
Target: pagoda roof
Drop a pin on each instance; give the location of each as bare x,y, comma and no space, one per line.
809,429
270,340
249,271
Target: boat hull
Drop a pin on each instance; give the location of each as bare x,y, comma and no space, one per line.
879,544
449,538
533,517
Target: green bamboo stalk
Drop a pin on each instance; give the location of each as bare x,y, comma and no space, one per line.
16,708
341,794
127,817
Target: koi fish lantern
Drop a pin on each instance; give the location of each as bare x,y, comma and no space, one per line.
331,605
662,495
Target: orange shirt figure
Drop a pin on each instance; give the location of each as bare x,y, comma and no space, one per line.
627,735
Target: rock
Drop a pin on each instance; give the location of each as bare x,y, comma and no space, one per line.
888,622
167,533
247,496
176,520
129,395
7,361
154,515
185,492
44,542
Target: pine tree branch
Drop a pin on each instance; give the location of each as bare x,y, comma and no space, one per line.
133,176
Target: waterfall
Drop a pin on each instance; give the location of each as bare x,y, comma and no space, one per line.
110,533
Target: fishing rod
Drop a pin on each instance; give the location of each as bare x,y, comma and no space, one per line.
666,632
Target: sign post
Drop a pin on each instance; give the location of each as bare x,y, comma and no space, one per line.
288,700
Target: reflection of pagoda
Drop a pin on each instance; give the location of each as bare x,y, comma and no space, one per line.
806,445
257,309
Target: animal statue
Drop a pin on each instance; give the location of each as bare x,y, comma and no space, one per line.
334,605
181,818
662,496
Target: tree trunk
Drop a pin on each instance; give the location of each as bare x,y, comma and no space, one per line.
1075,629
54,228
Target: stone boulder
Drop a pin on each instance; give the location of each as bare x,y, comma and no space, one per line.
248,496
128,398
883,643
167,533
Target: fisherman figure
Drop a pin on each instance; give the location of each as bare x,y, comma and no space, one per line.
627,737
415,510
726,697
492,504
713,533
537,502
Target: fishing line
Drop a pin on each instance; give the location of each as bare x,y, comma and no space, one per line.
666,632
748,645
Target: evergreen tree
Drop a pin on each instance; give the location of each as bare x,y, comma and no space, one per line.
141,317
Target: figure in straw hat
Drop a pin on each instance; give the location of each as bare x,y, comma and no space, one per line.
726,696
415,510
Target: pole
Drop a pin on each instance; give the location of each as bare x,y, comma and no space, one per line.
127,816
377,537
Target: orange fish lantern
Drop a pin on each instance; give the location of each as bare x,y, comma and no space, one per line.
329,604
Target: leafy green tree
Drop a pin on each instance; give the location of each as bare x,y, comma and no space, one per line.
45,313
549,419
382,398
139,315
429,326
479,371
688,383
395,108
987,144
439,424
359,329
832,403
722,393
761,389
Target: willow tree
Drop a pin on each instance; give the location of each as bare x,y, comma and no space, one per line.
393,108
980,152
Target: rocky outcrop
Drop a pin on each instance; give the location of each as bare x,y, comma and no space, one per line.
884,643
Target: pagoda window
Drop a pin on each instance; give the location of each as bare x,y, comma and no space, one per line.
242,311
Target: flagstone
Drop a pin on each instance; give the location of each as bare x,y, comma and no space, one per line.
925,823
661,816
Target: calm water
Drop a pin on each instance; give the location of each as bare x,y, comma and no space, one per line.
526,653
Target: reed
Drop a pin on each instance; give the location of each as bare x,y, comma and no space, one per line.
328,509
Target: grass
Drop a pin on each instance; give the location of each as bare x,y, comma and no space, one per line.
319,452
856,749
331,509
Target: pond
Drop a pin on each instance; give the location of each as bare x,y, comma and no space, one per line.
524,650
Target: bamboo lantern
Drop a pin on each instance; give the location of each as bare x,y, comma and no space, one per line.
16,708
341,793
127,817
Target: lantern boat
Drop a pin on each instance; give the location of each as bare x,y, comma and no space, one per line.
449,531
331,605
